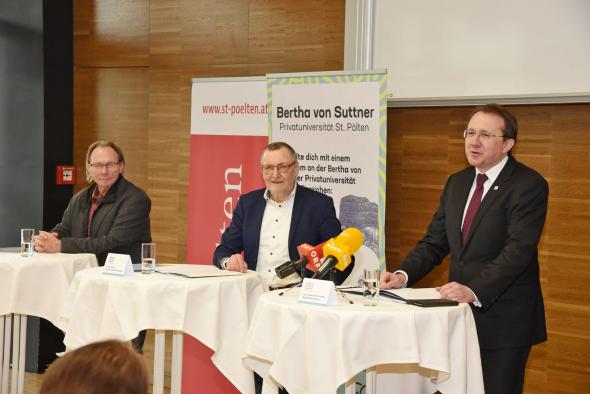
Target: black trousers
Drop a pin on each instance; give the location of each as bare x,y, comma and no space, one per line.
503,369
258,385
138,341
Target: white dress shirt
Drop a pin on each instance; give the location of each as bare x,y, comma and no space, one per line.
274,232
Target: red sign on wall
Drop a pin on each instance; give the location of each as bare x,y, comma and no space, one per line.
65,175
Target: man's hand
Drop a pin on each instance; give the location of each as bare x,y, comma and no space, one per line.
47,242
390,280
456,292
236,263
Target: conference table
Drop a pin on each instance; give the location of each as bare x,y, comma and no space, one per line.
406,349
36,286
212,305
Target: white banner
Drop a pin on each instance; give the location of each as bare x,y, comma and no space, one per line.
229,106
337,124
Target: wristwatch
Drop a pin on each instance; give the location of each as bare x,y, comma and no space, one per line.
223,263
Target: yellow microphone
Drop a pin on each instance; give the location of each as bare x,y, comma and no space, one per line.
338,251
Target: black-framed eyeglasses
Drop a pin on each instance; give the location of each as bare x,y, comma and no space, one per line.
109,166
282,168
485,135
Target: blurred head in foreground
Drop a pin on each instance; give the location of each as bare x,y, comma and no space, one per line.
108,367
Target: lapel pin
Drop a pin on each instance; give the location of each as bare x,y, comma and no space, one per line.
495,187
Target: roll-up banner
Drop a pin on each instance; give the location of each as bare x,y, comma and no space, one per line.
336,121
229,120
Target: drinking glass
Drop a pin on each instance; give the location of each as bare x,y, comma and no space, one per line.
371,287
148,258
26,242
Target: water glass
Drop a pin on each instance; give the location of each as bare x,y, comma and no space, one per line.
371,287
26,242
148,258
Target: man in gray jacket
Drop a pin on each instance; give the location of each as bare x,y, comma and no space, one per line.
110,215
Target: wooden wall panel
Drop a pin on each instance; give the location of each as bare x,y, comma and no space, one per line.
190,33
292,35
110,33
166,151
536,372
112,103
568,252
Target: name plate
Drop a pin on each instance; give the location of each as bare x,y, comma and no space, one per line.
319,292
118,264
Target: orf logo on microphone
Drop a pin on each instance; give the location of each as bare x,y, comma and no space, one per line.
315,258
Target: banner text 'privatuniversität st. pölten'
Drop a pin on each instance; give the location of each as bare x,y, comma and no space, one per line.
336,121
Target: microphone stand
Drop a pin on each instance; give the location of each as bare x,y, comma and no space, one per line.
298,284
291,287
294,285
344,296
302,270
340,292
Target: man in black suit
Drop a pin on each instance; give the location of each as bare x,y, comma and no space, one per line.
491,225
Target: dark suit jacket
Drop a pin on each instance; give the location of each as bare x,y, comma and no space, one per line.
120,223
313,221
499,260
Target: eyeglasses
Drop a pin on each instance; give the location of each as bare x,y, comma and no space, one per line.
109,166
485,135
282,168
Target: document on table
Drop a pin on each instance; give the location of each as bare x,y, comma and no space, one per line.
424,298
194,270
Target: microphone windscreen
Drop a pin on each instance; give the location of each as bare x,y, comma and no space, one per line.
314,256
352,237
343,246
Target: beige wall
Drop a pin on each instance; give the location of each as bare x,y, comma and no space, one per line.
134,61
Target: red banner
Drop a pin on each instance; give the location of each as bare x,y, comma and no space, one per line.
221,168
228,133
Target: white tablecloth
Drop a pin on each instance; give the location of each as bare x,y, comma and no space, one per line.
38,285
315,349
216,311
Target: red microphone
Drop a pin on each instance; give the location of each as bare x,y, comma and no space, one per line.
312,254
